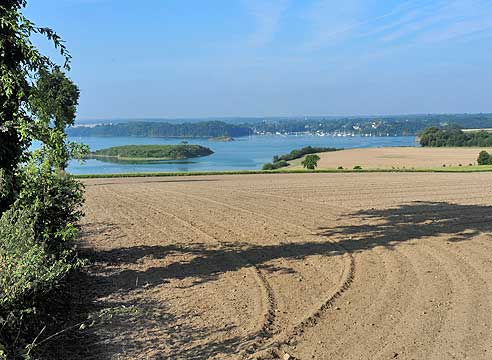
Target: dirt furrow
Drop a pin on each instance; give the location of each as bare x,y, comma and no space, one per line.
266,321
319,266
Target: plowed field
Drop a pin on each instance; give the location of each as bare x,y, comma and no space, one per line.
316,266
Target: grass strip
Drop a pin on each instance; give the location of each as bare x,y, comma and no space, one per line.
457,169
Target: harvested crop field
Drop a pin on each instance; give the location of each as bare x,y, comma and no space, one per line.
397,157
316,266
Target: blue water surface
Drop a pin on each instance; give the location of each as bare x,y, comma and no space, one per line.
247,153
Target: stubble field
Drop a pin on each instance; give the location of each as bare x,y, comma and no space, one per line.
316,266
398,157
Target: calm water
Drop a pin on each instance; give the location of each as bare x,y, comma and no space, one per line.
247,153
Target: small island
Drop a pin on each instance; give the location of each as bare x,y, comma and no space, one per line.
151,152
221,139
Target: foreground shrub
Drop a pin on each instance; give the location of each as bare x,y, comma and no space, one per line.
57,199
27,272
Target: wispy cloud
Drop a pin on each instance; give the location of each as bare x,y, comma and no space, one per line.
410,21
462,19
330,21
267,15
442,21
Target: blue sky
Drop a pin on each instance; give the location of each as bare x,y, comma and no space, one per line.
196,58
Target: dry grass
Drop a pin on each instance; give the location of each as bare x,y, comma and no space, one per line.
397,157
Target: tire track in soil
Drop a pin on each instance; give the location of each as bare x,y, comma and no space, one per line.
129,208
470,293
389,276
346,279
408,330
431,268
266,329
433,262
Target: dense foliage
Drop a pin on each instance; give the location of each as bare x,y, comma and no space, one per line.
39,203
172,152
29,272
206,129
280,161
275,165
299,153
484,158
453,136
310,161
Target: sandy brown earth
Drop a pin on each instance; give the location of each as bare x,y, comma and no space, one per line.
316,266
397,157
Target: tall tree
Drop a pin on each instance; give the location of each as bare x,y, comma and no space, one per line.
310,161
20,61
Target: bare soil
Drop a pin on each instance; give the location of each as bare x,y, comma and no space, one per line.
316,266
397,157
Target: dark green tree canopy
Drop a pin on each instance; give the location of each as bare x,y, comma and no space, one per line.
20,63
453,136
53,102
310,161
484,158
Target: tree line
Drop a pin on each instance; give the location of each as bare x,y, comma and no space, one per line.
205,129
453,136
280,161
409,125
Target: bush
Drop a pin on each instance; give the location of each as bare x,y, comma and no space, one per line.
57,199
27,272
36,236
26,266
340,168
357,167
484,158
276,165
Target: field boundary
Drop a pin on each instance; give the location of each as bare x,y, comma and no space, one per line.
461,169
